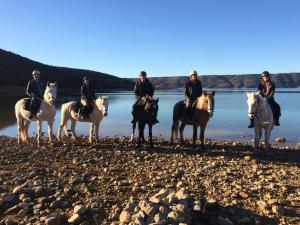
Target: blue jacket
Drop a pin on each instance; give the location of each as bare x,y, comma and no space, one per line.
35,88
193,90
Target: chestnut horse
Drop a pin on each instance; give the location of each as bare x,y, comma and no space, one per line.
203,109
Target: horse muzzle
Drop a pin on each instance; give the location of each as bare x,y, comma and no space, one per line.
210,113
52,102
105,114
251,116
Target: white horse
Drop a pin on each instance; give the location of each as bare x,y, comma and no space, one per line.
67,113
260,111
46,112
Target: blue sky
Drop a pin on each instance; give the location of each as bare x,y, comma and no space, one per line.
162,37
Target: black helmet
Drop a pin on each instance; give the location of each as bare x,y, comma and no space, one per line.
143,73
265,74
85,78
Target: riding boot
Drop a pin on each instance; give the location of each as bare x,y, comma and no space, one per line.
155,121
251,125
276,122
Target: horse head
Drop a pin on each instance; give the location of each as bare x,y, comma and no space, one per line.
254,101
150,106
50,93
209,102
102,104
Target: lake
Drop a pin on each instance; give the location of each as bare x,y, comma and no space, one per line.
229,122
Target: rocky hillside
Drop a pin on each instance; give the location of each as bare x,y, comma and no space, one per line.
282,80
112,182
16,70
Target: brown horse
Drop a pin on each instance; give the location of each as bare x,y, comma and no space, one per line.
203,109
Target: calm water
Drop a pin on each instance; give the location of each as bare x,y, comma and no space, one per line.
229,121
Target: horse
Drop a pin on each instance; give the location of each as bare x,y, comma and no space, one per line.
203,109
100,110
260,111
46,112
146,114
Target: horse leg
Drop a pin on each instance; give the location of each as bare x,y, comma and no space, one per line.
174,131
181,131
133,129
195,128
267,137
202,130
25,130
63,124
257,137
97,126
150,135
39,131
50,130
73,125
141,127
20,130
92,128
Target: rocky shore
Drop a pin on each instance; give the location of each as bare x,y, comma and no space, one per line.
113,182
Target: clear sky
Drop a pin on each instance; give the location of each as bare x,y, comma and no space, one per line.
162,37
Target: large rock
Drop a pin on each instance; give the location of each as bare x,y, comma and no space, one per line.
80,209
75,219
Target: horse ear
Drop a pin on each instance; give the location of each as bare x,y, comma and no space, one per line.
157,100
213,93
48,84
205,93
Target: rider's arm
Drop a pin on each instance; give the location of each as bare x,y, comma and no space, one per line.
187,93
136,90
29,90
199,88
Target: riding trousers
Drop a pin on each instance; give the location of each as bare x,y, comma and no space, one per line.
275,107
35,104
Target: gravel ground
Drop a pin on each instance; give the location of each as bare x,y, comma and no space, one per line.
81,183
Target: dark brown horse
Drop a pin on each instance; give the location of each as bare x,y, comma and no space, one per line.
203,109
146,114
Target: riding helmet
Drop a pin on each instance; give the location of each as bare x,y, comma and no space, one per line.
265,74
193,72
36,72
143,73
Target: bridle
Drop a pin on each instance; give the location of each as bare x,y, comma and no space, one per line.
50,97
256,112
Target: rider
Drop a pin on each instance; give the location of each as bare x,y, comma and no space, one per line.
35,90
142,88
87,94
267,90
193,90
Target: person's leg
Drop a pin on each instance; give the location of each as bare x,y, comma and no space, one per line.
274,107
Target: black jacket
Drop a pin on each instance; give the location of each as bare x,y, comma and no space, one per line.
142,89
193,90
35,88
88,93
268,94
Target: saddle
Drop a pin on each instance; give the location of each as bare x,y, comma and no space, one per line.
35,106
84,107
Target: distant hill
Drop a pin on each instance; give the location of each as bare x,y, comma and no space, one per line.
282,80
16,70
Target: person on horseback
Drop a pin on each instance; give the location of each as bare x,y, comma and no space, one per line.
35,90
88,97
193,90
143,87
267,89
